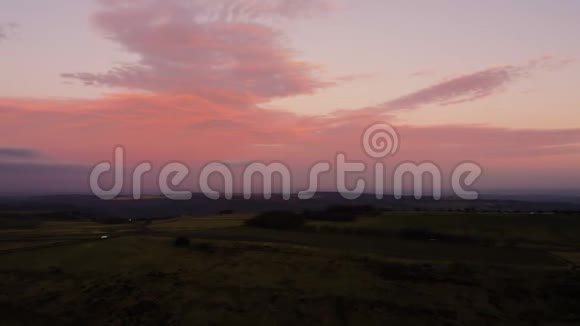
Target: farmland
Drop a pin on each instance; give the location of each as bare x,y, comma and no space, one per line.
349,273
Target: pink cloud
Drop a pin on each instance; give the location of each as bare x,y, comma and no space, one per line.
207,65
473,86
200,47
354,77
190,127
460,89
230,10
6,29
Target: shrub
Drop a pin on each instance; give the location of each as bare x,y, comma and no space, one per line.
112,220
182,242
205,247
281,220
417,234
334,216
353,209
425,234
341,213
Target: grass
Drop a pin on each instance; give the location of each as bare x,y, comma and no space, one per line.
541,228
148,281
66,230
187,223
231,227
236,273
15,245
388,246
80,229
232,274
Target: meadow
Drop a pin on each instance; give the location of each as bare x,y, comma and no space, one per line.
368,271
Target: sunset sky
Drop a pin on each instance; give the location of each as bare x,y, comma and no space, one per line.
495,82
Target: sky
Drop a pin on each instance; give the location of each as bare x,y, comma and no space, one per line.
295,81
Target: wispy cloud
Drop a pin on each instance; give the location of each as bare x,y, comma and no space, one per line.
6,29
424,72
473,86
465,88
19,153
41,168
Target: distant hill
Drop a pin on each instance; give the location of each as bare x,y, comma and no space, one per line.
158,207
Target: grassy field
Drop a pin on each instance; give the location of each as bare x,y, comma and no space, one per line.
510,227
388,246
147,281
185,224
63,272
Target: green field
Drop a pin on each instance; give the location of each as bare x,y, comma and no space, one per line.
185,224
557,229
65,273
